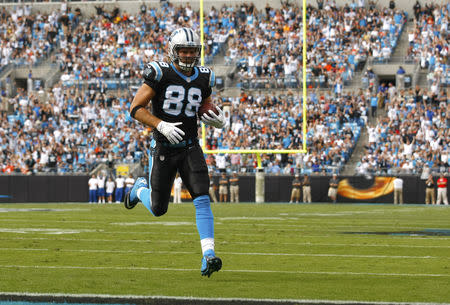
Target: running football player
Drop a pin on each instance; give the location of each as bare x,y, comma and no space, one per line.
175,90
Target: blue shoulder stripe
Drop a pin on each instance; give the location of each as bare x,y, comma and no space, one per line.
212,79
158,70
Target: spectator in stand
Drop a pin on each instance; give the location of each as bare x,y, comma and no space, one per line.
374,105
110,189
442,190
430,195
92,189
295,193
400,78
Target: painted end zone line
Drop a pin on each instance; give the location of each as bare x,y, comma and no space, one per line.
234,271
143,299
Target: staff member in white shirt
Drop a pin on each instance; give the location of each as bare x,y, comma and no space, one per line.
92,189
110,189
101,189
129,182
398,190
120,183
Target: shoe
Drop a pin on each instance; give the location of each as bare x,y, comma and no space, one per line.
131,198
210,263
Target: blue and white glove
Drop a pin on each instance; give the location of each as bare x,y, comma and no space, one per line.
212,119
171,131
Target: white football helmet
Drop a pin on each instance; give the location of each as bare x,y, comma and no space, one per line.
184,38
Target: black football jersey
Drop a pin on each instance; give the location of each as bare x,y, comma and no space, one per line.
178,96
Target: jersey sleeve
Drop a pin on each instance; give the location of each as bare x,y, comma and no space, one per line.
152,74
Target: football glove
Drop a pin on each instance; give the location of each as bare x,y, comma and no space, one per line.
171,131
212,119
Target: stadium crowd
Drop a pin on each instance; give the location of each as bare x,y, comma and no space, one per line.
26,38
118,45
414,133
429,44
270,121
66,130
70,128
268,44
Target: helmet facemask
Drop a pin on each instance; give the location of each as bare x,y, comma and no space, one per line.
191,62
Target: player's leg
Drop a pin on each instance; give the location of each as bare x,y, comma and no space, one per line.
194,172
155,195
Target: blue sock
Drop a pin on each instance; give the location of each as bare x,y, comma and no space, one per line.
144,197
204,217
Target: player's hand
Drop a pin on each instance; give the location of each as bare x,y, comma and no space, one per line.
212,119
171,131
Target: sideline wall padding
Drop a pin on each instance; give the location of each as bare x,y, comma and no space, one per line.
277,189
44,188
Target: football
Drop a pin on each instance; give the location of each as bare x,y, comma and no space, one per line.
205,107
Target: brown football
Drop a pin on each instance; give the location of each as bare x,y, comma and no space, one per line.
205,107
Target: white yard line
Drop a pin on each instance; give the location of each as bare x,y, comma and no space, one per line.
130,298
143,232
234,253
225,242
225,270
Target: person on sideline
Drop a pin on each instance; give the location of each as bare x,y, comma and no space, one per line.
93,185
129,182
234,188
398,190
212,189
223,188
295,193
442,190
177,189
120,184
101,188
110,189
306,189
430,194
175,90
332,190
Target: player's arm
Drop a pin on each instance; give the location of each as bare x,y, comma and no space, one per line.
143,97
138,109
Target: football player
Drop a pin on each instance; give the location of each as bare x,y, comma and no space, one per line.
175,90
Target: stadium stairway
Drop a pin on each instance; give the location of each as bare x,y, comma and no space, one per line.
403,44
351,167
358,152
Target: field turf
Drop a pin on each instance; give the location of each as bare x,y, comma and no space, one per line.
380,253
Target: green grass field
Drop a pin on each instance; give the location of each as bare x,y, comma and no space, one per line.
275,251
